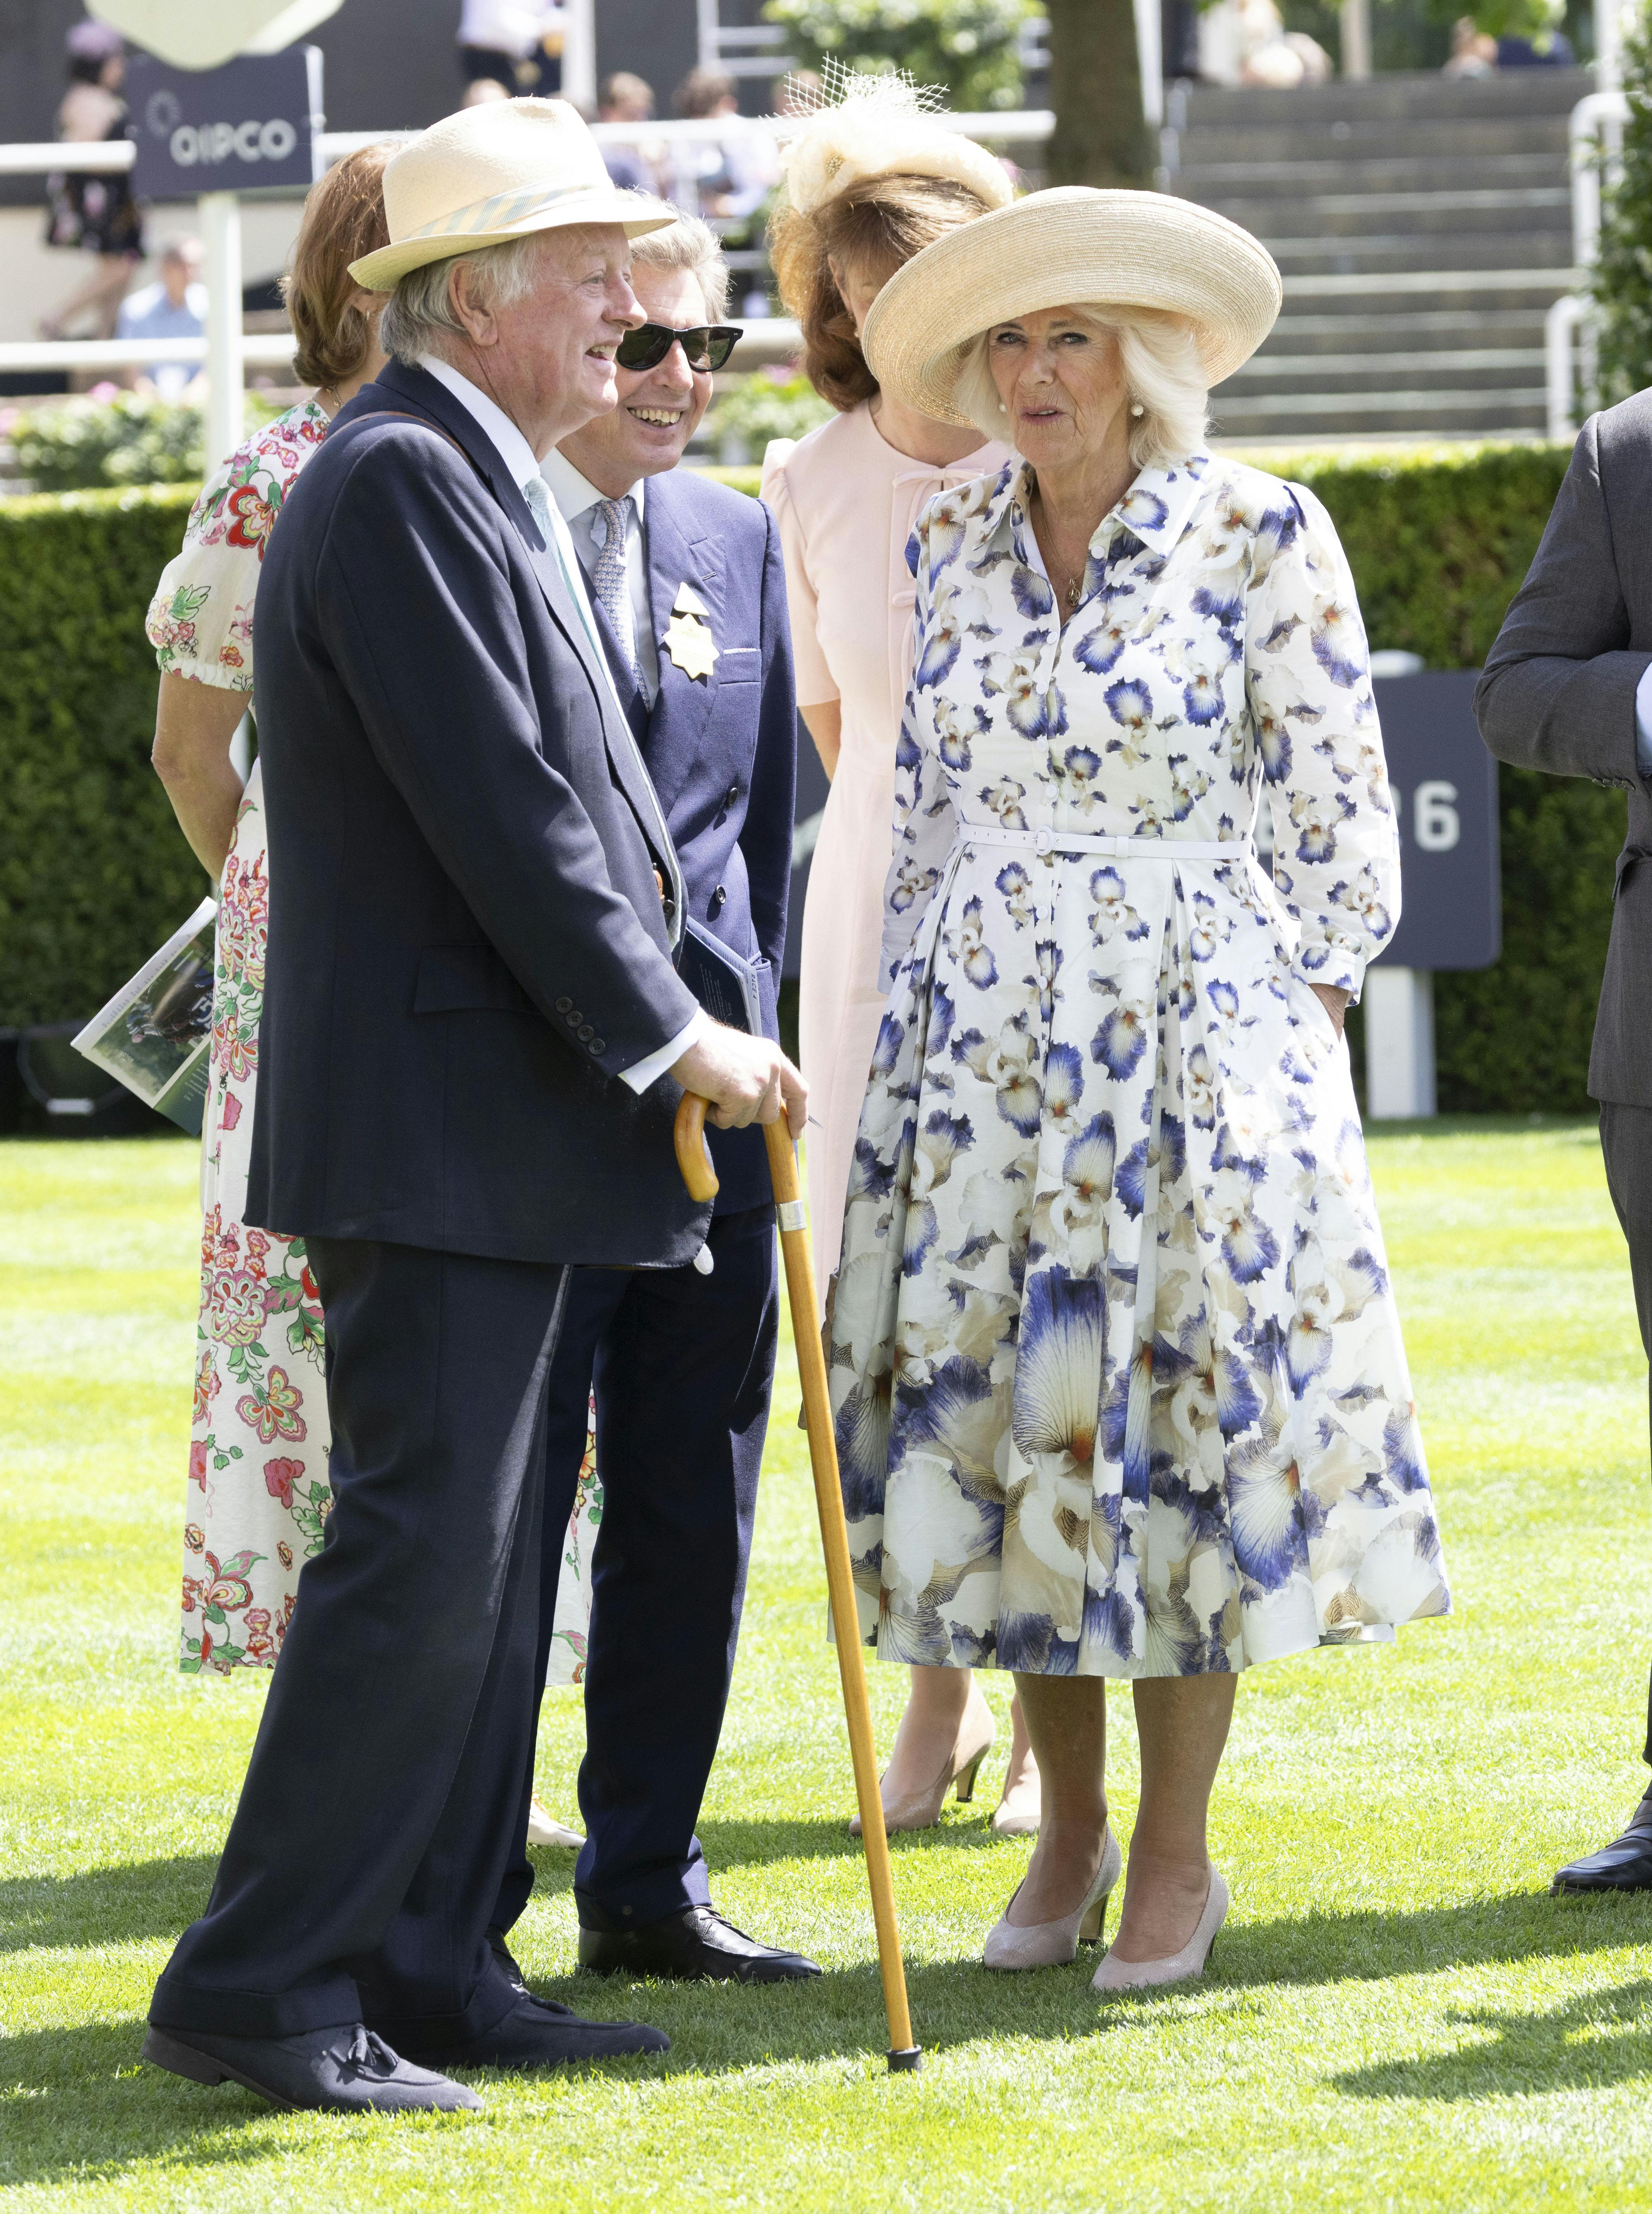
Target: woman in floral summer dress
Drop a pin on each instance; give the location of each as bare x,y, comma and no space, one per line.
258,1475
1117,1375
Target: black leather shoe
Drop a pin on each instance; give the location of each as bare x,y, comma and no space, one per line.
508,1962
339,2070
1623,1865
695,1945
538,2034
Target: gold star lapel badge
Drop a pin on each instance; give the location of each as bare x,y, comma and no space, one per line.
689,634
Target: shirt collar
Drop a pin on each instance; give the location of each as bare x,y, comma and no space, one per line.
513,449
574,492
1155,509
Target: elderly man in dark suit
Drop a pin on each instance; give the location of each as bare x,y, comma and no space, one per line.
474,1038
686,579
1568,687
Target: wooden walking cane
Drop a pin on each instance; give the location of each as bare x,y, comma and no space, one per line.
694,1159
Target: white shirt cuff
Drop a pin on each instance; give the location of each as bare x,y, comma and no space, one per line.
643,1072
1643,722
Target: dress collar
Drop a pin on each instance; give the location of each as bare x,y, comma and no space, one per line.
1154,510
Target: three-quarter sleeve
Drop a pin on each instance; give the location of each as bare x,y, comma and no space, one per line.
815,682
1308,683
926,821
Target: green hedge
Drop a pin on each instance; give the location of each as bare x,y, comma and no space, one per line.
93,873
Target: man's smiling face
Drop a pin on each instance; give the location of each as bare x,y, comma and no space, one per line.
659,409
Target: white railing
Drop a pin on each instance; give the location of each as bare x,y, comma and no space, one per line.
1595,141
1560,326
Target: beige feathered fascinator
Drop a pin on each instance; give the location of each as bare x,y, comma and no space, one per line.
864,125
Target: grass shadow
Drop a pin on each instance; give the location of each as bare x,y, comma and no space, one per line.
1596,2040
105,1906
1378,1943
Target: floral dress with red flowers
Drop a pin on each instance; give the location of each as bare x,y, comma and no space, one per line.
258,1491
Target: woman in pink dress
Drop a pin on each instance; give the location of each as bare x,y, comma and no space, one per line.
258,1489
869,182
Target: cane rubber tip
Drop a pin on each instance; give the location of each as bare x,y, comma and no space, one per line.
906,2059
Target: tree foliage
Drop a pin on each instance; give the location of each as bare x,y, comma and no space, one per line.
972,47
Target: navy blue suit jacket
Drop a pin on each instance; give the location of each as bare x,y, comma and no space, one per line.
722,751
466,941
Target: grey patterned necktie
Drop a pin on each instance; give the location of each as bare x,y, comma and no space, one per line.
613,584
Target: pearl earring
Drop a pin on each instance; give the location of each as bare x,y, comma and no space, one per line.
1136,408
1000,407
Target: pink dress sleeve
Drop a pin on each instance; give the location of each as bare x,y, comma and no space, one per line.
813,679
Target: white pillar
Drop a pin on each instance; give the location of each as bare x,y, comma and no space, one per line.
1356,39
1399,1083
579,53
226,397
707,28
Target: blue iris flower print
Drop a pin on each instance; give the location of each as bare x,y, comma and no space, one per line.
1029,591
1058,1365
1130,702
1087,1163
1063,1083
1098,650
1339,642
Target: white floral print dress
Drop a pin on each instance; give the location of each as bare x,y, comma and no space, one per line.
258,1492
1116,1371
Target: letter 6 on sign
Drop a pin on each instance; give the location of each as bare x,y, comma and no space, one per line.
1435,823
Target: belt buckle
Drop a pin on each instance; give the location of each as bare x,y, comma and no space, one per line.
1042,841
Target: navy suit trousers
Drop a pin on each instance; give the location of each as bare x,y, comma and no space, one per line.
386,1785
681,1365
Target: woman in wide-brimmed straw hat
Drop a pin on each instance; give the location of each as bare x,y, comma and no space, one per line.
871,179
1118,1378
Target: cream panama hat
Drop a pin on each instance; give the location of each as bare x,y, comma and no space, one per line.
1071,246
493,173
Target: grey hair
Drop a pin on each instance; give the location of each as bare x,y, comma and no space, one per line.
1162,376
420,317
692,245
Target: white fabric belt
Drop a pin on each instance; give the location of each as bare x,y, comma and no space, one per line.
1092,841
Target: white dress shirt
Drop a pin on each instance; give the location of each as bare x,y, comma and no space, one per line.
522,462
577,500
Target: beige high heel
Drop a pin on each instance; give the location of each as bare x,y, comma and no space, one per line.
1019,1812
1050,1944
1114,1975
544,1829
921,1810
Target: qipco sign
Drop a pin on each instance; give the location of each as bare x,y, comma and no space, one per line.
249,127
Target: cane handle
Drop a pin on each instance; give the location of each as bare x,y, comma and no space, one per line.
693,1155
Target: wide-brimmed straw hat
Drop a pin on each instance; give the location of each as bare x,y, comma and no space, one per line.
494,173
1070,246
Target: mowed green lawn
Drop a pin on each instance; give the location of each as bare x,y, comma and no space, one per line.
1397,2015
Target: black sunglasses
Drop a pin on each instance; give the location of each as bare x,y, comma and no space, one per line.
705,348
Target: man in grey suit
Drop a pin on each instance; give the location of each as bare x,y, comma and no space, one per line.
1567,689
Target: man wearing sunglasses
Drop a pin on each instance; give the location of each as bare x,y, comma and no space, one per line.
686,584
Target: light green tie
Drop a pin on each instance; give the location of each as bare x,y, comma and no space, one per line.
537,495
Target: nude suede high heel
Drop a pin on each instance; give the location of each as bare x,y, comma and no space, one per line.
1050,1944
921,1810
1115,1975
